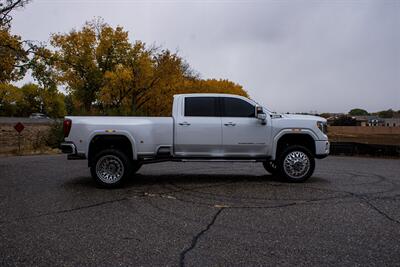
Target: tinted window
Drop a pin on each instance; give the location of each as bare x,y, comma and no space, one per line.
234,107
201,106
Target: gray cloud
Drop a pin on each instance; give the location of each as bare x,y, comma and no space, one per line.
291,56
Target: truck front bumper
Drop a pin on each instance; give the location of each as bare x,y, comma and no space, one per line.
70,149
322,149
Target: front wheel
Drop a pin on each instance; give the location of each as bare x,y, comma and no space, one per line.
296,164
110,168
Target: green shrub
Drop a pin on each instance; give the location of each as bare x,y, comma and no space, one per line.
56,134
39,141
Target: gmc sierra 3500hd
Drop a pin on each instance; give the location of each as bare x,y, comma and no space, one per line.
203,127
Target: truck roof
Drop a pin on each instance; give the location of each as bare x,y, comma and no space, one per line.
209,94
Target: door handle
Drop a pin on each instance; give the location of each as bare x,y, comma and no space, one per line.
185,123
230,124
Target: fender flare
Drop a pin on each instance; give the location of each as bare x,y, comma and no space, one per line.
283,132
113,132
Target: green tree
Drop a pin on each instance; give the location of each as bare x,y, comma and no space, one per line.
358,112
9,96
30,101
69,105
386,113
53,104
36,99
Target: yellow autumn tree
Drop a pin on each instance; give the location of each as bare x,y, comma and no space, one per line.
9,96
105,73
14,57
36,99
82,57
116,90
160,103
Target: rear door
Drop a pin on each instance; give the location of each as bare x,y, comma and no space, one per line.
243,135
198,128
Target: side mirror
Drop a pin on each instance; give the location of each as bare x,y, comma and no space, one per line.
261,115
259,110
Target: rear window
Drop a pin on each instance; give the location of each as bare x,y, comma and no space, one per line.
201,106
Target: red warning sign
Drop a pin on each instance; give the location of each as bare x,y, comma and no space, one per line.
19,127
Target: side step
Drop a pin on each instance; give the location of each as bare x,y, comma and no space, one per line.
221,160
180,159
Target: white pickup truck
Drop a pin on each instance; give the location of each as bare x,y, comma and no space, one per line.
203,127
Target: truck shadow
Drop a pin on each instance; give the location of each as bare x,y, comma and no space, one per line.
141,180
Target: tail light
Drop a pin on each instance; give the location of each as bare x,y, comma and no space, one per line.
67,127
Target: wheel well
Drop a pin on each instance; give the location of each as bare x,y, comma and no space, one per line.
295,139
101,142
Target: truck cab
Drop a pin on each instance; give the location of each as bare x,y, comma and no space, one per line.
222,126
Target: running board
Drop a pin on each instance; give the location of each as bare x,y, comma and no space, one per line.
195,159
221,160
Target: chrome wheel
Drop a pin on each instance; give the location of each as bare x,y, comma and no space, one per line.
109,169
296,164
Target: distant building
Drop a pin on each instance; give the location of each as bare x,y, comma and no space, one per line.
369,120
392,122
361,120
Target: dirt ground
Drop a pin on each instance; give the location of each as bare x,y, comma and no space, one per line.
32,140
365,135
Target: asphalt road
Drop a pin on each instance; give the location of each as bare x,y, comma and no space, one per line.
199,214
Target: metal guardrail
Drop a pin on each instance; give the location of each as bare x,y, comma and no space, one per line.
353,148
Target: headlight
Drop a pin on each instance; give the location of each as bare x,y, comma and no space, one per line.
322,126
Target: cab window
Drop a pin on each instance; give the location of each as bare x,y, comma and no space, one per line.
201,107
235,107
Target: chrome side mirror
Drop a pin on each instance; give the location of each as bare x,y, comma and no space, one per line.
261,115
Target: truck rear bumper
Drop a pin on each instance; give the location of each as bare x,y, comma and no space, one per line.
70,149
322,149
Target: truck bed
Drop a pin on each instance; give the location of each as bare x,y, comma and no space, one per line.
148,133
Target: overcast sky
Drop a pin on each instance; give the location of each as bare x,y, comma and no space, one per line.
296,56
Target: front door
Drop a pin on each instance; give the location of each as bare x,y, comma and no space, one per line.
243,135
198,129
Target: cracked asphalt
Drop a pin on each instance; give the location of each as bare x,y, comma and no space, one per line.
199,214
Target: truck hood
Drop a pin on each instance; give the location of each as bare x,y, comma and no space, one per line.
287,121
303,117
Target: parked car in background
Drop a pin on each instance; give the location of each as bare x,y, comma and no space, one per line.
38,116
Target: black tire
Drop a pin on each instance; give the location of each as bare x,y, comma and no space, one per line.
270,166
296,164
116,166
136,166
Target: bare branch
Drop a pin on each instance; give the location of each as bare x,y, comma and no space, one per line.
6,6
